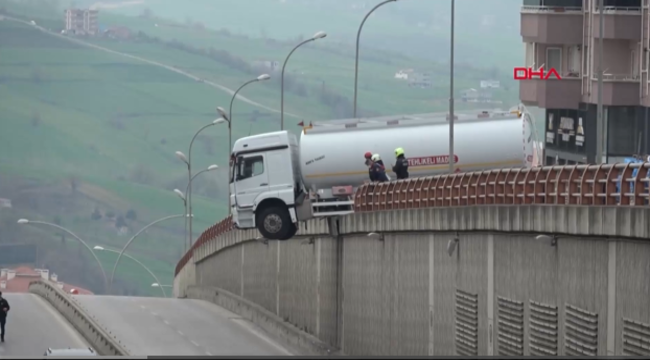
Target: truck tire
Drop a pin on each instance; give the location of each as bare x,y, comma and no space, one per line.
274,223
292,232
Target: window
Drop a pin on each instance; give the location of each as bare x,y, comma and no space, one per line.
623,132
250,167
530,55
553,59
634,63
575,58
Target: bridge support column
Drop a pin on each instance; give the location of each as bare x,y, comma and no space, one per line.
432,335
611,298
490,295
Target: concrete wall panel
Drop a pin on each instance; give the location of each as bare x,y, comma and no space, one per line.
260,274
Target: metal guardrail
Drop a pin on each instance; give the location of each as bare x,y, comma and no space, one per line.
588,185
212,232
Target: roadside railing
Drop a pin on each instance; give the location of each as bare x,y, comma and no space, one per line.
591,185
587,185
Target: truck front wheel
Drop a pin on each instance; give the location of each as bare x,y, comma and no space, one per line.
274,223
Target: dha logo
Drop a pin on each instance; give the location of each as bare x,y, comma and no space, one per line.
522,73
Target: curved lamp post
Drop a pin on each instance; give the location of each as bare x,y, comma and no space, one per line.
100,248
182,196
356,61
318,35
133,238
228,116
25,221
188,161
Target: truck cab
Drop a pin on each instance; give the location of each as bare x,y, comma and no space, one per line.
265,184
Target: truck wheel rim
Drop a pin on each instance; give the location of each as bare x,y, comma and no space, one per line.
273,223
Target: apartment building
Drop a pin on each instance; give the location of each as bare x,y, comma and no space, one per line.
81,21
564,35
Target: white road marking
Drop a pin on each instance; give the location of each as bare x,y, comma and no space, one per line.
195,343
166,322
143,307
180,332
208,353
154,314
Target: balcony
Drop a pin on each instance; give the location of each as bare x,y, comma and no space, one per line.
620,23
618,90
551,93
551,25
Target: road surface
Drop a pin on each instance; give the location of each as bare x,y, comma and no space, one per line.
33,325
156,326
155,63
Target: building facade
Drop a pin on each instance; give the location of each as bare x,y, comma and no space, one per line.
564,35
81,21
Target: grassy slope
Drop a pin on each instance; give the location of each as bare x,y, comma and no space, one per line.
81,89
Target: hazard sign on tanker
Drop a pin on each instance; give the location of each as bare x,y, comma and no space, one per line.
278,181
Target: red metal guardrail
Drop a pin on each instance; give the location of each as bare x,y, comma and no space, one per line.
212,232
587,185
590,185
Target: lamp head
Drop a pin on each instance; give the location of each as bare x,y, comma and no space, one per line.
263,77
213,167
23,221
319,35
98,248
222,112
180,155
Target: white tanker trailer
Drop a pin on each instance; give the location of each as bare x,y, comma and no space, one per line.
277,181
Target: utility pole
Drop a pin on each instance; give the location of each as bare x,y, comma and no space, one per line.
599,120
451,94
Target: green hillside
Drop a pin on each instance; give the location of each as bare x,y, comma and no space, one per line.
85,132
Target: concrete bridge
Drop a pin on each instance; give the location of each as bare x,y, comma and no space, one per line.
548,261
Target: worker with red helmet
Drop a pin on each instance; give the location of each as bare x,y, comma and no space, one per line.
376,169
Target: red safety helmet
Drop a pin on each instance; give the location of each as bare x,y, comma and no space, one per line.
368,155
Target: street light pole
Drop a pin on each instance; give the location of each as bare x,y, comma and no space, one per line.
210,168
188,161
452,157
25,221
356,61
318,35
100,248
182,196
228,118
599,119
135,236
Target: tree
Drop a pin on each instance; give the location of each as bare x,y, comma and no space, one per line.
131,215
120,222
96,215
74,183
110,215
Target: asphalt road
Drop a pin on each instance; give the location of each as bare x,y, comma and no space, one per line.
157,326
33,325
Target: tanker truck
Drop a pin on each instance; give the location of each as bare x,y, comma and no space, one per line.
277,181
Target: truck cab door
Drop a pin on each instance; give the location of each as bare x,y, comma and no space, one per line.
251,179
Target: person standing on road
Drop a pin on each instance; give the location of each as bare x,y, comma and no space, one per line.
4,310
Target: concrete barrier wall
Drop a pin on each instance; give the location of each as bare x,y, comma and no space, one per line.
501,292
82,321
186,277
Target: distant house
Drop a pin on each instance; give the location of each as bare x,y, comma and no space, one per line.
5,203
420,80
403,74
269,65
17,280
490,84
473,95
80,21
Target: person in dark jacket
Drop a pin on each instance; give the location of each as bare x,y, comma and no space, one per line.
377,172
4,309
401,167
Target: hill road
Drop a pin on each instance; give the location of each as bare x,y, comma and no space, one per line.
155,63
